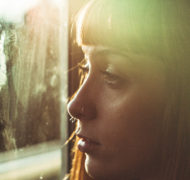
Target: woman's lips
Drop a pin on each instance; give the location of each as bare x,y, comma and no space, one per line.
87,145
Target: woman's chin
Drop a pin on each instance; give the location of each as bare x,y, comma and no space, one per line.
98,169
94,169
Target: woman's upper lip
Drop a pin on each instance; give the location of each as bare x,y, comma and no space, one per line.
87,139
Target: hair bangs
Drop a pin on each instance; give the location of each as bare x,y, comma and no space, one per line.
125,25
131,25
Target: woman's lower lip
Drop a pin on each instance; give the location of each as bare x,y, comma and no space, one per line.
87,146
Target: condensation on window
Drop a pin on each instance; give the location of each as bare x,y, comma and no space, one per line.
29,73
32,50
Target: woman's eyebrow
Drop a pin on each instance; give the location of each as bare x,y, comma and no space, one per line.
102,50
109,55
107,51
106,54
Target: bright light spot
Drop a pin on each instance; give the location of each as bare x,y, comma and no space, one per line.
14,10
3,71
57,2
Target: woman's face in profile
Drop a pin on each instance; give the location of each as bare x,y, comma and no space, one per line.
120,110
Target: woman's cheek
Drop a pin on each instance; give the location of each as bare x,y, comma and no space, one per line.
130,119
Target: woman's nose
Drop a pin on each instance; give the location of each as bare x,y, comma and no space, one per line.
82,106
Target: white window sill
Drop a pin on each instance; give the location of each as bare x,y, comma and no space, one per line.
44,165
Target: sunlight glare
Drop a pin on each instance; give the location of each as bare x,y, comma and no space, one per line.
14,10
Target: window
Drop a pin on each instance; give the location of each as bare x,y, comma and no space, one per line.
33,89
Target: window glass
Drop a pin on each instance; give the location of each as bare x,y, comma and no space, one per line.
31,35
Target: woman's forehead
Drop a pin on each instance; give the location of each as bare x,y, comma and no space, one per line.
103,53
98,54
91,50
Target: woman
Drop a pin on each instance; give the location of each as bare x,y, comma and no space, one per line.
132,108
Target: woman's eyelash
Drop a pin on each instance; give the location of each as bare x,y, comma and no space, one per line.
111,79
83,66
111,76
